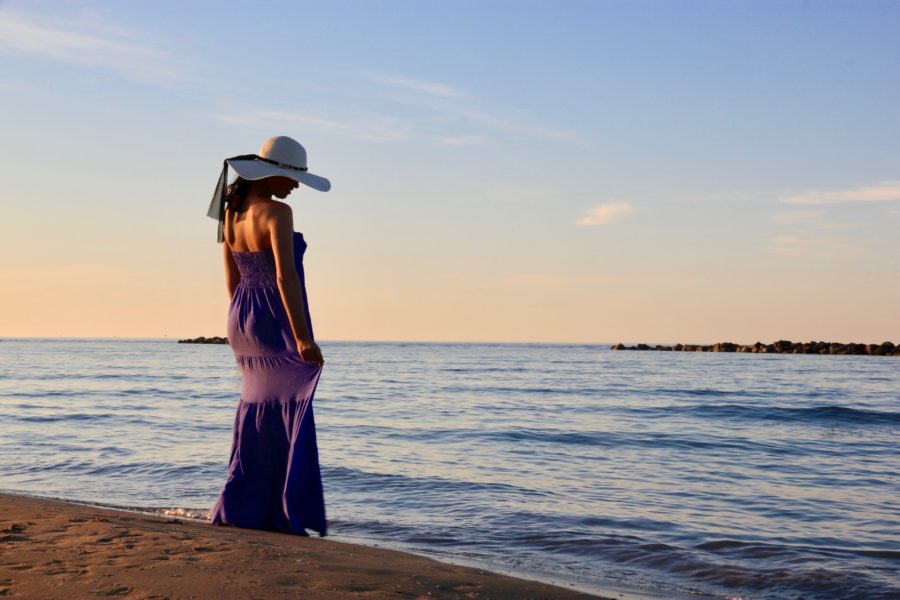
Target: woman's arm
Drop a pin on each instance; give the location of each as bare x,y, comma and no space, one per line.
281,231
232,275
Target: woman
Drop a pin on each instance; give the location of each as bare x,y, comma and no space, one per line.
273,477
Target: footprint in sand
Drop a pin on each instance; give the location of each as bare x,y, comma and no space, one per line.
11,533
125,533
66,571
115,590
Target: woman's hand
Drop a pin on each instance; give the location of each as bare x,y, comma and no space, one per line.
310,352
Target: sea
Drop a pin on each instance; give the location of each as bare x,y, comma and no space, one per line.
627,474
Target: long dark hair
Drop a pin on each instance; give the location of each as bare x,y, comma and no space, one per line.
236,193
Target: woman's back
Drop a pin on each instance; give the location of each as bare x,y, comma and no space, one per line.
249,230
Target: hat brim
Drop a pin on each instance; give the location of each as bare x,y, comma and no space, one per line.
257,169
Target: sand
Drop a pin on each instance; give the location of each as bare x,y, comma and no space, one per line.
51,549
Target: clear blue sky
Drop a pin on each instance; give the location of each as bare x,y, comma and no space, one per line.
523,171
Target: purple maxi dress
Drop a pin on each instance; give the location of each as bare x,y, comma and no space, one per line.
273,480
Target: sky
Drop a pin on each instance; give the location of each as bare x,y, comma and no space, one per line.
505,171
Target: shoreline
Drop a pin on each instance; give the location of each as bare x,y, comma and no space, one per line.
57,547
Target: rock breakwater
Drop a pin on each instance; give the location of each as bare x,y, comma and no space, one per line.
779,347
205,340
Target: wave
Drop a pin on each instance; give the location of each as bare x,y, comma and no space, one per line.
803,576
648,440
757,550
814,414
524,390
349,480
107,466
709,562
700,392
482,370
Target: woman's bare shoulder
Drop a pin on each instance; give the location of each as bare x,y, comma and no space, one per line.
274,216
272,209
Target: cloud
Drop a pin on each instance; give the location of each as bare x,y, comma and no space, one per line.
371,127
444,99
448,103
436,113
83,40
417,85
797,246
885,191
376,128
603,214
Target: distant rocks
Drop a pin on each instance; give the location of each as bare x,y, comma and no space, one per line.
205,340
779,347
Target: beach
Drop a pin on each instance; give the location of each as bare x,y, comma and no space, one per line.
55,549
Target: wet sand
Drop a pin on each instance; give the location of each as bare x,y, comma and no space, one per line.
52,549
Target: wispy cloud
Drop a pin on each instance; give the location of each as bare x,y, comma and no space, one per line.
799,246
885,191
444,126
603,214
402,108
369,127
458,110
86,42
416,85
374,128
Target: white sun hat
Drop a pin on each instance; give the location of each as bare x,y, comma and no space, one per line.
279,156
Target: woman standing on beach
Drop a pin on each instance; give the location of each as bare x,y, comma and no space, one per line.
273,477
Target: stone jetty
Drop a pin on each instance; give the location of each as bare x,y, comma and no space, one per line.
205,340
779,347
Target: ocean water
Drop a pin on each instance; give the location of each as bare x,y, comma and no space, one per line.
669,475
